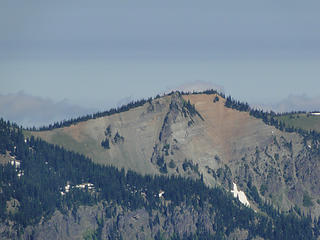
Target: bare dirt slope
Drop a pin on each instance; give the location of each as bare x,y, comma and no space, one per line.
229,131
139,127
197,136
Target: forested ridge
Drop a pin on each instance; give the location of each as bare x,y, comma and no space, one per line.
38,186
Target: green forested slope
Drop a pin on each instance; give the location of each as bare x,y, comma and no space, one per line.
304,121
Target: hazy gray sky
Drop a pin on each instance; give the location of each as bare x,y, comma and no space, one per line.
95,53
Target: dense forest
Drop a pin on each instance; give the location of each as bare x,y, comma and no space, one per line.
49,178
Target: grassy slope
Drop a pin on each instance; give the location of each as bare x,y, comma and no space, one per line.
301,120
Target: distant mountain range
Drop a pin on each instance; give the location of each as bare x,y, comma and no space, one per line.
27,110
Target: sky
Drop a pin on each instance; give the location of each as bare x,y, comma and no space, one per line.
93,55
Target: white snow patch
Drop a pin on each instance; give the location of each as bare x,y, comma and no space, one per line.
84,185
161,193
15,163
67,188
240,195
20,173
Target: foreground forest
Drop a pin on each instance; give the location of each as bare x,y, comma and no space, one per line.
34,184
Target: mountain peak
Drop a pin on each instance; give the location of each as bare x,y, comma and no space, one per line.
196,135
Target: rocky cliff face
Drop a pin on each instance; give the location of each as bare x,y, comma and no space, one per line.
197,136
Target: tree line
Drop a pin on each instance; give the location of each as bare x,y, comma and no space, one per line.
69,122
124,108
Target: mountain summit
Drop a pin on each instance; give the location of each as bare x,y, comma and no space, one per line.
200,136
